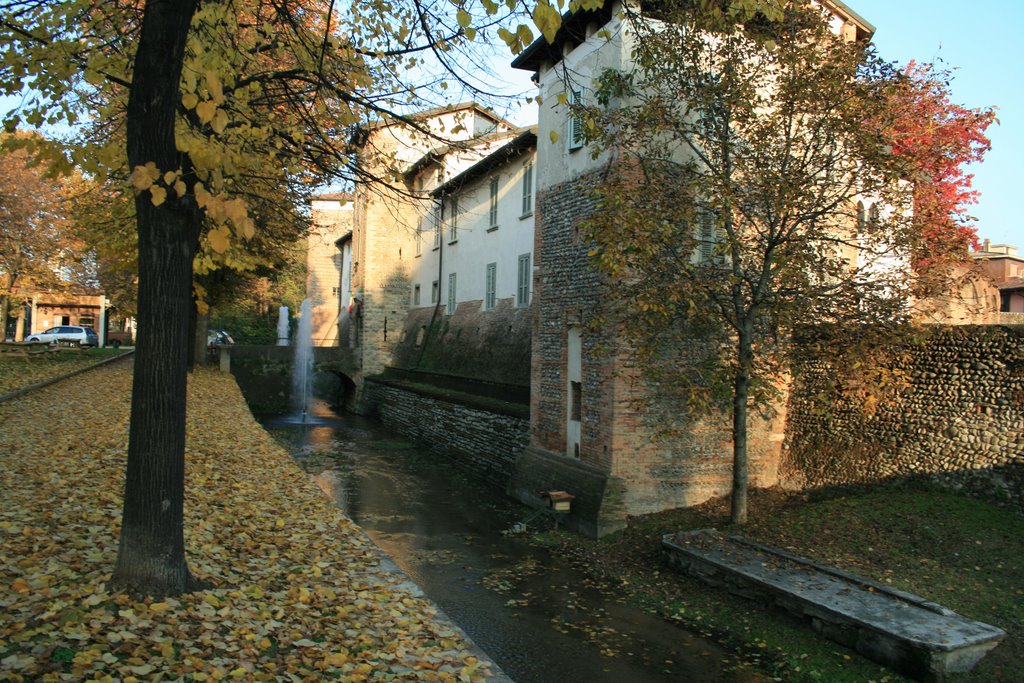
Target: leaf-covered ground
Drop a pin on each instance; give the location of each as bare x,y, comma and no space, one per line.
18,371
300,593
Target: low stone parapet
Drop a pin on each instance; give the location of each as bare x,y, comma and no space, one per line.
912,635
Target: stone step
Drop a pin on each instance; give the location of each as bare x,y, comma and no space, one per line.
916,637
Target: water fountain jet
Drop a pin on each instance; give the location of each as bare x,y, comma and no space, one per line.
302,369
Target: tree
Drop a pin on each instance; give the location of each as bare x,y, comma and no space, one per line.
38,250
744,150
216,103
937,139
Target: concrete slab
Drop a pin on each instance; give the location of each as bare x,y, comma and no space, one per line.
904,631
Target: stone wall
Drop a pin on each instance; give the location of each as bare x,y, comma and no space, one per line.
485,441
493,346
958,419
264,374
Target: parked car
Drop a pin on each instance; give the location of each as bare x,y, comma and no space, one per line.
217,338
66,334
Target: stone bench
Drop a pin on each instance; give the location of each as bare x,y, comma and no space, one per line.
903,631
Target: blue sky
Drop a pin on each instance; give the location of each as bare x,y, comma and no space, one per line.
981,41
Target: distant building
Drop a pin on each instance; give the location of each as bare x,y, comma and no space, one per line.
328,265
1005,267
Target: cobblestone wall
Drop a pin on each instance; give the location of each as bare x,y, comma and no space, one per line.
958,420
484,442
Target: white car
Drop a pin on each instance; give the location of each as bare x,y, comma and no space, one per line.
67,334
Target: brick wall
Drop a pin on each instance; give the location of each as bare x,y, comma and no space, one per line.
484,442
621,413
958,420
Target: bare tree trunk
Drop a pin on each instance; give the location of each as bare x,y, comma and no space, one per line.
740,398
4,302
151,554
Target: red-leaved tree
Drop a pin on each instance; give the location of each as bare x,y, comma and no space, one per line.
938,139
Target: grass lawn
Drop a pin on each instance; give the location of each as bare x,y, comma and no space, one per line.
17,372
964,554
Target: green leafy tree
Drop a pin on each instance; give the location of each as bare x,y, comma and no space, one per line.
749,193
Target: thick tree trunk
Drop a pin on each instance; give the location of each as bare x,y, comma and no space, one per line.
740,397
151,554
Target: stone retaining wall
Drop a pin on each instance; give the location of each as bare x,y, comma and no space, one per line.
958,419
483,441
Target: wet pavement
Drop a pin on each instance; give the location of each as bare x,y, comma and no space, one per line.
538,618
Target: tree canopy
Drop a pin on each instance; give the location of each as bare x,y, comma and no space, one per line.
937,139
39,249
750,191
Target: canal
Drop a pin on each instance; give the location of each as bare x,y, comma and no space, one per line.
538,618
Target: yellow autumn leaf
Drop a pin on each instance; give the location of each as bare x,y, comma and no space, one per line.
169,177
236,211
206,111
219,239
189,100
547,19
464,18
144,176
158,195
248,228
179,188
554,136
159,607
214,85
220,121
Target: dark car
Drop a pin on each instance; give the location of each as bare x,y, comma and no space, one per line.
67,334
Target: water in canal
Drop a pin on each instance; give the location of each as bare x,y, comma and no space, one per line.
535,616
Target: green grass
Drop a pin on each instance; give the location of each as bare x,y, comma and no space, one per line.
964,554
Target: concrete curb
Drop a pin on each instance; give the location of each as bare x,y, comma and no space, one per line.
53,380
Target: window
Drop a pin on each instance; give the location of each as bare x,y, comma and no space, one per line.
494,203
575,122
707,236
523,285
433,292
453,220
576,401
451,293
528,189
437,229
416,295
489,294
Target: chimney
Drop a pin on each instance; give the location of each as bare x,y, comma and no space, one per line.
985,245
